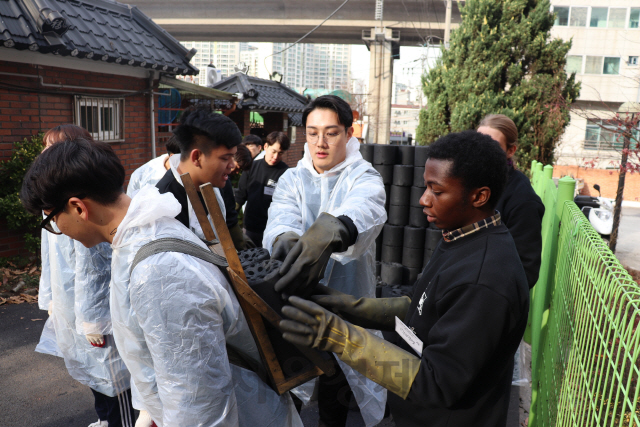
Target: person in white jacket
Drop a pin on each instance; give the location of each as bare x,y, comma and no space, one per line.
74,289
174,315
152,171
323,221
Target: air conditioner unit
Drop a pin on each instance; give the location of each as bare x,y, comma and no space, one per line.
213,75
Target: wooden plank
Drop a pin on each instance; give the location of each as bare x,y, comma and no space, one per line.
254,319
196,204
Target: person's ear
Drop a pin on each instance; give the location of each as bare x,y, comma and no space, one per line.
76,207
480,197
194,156
350,132
511,151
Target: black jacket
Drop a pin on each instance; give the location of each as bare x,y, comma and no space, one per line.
470,310
256,188
522,210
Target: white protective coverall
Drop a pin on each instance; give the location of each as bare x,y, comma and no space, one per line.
173,318
352,188
75,284
148,174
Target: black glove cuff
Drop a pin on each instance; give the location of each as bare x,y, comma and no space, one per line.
351,228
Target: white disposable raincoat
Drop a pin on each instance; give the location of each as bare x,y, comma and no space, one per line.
102,369
352,188
173,318
148,174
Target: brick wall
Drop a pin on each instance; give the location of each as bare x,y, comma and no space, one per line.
605,178
296,150
25,113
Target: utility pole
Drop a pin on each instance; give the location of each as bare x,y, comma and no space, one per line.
384,47
447,25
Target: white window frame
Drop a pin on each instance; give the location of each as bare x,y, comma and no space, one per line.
601,73
111,109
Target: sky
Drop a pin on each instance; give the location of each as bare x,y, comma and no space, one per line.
407,69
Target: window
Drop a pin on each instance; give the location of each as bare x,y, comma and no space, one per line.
562,16
633,60
593,65
574,64
601,65
599,17
617,16
102,117
611,66
578,17
605,135
634,18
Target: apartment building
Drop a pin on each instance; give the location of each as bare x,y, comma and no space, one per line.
224,55
604,56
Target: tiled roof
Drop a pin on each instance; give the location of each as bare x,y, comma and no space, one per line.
260,94
99,30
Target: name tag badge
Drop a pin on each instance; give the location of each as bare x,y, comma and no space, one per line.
269,191
408,336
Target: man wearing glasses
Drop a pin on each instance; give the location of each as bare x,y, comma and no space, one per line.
323,221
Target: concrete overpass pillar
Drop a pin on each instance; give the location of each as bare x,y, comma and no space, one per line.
384,48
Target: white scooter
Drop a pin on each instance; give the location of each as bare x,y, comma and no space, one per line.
599,210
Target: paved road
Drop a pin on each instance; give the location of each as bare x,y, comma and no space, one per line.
35,389
628,246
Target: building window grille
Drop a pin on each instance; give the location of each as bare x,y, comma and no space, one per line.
103,118
606,135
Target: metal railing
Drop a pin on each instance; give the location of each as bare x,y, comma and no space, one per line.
584,322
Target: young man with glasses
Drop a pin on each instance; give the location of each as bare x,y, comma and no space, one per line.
175,317
323,221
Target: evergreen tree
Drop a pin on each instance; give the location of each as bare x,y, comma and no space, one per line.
502,60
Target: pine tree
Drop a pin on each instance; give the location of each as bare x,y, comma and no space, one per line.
502,60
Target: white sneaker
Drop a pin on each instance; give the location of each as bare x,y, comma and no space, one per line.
99,424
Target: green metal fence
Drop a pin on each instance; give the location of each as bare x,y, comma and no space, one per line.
584,322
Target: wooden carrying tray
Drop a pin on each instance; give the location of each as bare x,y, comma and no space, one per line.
255,309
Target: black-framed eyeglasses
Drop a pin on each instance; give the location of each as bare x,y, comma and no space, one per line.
46,223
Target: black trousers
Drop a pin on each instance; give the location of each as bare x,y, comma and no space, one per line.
256,237
334,398
117,411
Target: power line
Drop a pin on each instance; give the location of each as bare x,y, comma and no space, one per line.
303,37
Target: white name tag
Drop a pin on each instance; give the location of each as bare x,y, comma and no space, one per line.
408,336
269,191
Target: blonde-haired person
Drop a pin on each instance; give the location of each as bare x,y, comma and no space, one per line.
520,207
74,289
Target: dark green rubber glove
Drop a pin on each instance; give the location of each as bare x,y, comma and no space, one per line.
370,313
283,245
377,359
304,265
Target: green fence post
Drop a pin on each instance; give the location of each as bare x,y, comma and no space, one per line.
543,292
535,178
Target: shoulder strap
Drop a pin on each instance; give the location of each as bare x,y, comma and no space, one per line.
171,244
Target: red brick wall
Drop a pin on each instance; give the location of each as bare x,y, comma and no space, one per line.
296,150
25,113
607,179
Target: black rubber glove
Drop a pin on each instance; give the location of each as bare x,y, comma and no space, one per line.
370,313
304,265
283,245
382,362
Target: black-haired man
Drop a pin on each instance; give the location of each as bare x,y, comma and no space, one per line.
174,316
254,144
207,142
256,187
453,362
323,221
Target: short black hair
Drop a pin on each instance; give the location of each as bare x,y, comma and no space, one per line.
252,139
243,158
478,161
172,145
205,130
71,168
334,103
279,138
